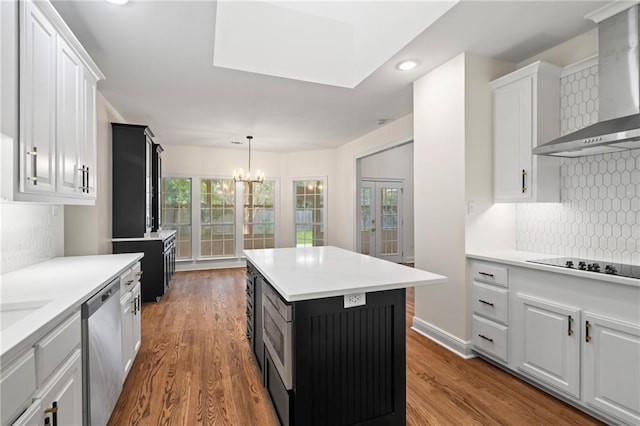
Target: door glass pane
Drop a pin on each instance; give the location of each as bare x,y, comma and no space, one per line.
365,226
388,229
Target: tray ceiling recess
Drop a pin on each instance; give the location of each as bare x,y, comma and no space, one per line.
333,43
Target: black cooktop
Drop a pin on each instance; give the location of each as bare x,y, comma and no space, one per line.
597,266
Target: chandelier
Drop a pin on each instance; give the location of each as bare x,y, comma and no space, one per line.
240,176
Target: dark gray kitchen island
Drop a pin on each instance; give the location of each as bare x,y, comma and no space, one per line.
327,327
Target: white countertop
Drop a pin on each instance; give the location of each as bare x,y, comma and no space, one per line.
64,283
519,258
316,272
154,236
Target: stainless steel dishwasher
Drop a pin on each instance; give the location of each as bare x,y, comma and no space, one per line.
101,354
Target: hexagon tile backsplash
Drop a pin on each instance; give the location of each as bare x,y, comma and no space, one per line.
599,213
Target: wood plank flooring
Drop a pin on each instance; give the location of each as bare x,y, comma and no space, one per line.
195,368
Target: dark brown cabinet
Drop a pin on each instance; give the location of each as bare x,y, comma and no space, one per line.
137,207
132,147
158,263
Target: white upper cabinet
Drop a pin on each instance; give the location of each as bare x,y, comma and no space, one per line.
526,113
69,120
57,110
37,102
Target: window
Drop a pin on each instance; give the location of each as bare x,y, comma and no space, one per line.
310,213
176,212
217,218
259,215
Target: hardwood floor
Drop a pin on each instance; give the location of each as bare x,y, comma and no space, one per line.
195,368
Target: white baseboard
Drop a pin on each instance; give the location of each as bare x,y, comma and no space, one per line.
443,338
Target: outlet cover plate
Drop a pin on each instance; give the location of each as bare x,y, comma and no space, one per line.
356,299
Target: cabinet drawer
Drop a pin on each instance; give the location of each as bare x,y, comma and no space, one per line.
17,384
489,337
490,273
56,347
126,281
490,301
136,272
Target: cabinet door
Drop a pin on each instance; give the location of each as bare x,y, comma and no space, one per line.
611,367
37,101
513,128
148,159
136,326
64,391
89,136
550,343
70,80
126,309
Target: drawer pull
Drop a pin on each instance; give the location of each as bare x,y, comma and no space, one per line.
524,175
485,302
486,274
587,326
482,336
128,283
570,330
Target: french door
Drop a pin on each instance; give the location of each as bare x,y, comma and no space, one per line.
381,219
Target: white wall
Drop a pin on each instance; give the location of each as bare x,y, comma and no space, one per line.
452,146
342,214
87,229
396,163
338,166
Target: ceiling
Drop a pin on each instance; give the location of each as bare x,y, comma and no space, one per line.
158,59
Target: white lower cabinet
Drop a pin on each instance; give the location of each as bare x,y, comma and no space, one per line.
130,304
577,337
46,381
490,306
611,367
61,396
549,343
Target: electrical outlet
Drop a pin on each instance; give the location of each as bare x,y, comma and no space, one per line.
356,299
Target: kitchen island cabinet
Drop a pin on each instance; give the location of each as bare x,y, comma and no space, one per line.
334,334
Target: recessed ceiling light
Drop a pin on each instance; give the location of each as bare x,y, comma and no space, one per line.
118,1
407,65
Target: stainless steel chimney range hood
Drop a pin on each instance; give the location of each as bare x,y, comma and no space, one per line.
619,90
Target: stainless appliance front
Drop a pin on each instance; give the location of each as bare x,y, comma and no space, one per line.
102,372
277,333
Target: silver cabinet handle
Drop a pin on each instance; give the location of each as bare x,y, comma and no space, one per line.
34,175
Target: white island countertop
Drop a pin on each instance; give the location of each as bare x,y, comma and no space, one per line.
315,272
57,287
